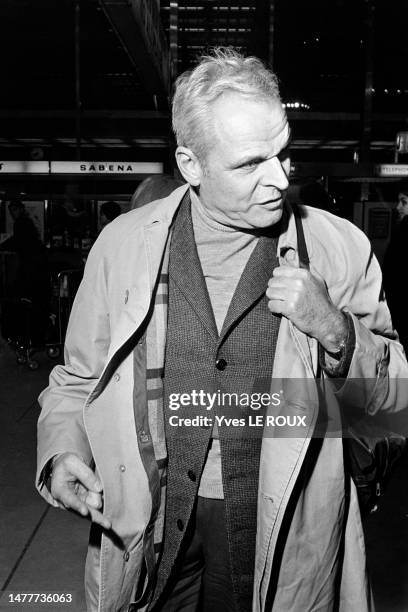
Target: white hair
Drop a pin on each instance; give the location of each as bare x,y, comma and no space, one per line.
224,70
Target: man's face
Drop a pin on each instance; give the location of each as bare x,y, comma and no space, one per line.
245,178
402,206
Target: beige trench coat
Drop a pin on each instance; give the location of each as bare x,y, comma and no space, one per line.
88,409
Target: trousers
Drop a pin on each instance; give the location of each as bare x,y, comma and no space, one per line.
203,580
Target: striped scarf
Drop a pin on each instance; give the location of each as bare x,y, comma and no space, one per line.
155,345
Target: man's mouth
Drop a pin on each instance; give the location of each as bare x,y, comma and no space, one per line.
275,202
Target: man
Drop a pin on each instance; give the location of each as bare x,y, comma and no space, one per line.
195,297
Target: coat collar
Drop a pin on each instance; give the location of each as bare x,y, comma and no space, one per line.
163,211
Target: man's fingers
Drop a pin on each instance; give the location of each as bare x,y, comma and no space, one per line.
97,517
82,492
75,487
297,277
289,272
70,501
284,291
87,477
277,307
276,293
292,283
93,500
70,467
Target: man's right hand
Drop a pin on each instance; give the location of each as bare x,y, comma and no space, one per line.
75,487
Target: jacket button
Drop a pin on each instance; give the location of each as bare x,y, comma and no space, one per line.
221,364
180,524
116,377
143,436
122,468
191,475
126,556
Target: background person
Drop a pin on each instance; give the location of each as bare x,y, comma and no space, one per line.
154,188
25,313
109,211
25,239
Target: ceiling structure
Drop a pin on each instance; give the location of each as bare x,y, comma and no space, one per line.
91,79
85,69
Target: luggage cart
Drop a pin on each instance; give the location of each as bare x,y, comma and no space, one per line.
64,287
30,326
22,340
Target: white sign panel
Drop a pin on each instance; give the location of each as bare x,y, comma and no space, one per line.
392,170
97,167
24,167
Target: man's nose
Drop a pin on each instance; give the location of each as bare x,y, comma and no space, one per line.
276,175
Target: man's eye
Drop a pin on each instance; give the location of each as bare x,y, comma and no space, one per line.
251,165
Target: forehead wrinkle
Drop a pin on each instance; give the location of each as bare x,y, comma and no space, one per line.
271,148
265,132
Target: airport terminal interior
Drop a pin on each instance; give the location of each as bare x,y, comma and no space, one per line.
85,111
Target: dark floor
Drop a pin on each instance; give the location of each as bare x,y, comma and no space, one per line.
387,545
42,549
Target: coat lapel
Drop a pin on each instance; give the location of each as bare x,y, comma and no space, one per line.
144,256
254,280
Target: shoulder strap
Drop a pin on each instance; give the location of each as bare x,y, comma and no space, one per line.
304,260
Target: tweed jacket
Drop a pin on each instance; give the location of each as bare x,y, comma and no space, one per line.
246,343
310,548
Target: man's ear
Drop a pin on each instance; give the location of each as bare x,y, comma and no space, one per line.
189,166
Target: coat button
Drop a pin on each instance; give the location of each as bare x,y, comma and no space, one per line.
191,475
116,377
180,524
143,436
126,556
122,468
221,364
